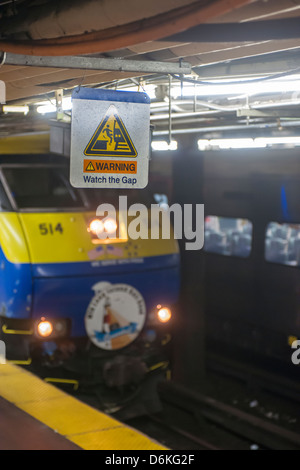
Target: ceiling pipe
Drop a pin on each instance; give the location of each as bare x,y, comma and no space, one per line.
165,117
55,18
120,37
244,128
220,109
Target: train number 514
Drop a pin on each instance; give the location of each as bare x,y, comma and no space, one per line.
49,229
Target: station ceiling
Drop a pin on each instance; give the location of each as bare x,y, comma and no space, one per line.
216,37
123,29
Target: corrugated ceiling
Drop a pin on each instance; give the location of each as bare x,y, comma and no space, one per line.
23,83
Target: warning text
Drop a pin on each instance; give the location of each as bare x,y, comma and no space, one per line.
108,166
109,179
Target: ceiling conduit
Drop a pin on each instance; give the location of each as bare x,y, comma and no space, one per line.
119,37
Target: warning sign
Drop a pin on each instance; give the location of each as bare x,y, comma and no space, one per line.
111,138
109,166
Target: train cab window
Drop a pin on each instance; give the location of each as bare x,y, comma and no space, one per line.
41,188
228,236
134,196
4,202
282,244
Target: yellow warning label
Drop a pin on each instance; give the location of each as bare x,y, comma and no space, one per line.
90,167
109,166
111,138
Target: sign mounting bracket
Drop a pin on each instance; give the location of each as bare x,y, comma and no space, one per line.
95,63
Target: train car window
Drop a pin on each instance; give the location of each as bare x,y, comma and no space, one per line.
5,205
41,188
228,236
282,244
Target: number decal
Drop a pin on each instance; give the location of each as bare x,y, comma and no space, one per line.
43,229
49,229
59,228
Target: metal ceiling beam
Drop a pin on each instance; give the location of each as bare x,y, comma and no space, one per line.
93,63
285,28
223,128
264,64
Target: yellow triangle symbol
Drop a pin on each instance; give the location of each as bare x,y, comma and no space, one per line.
90,167
111,138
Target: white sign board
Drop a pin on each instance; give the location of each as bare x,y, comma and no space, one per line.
110,139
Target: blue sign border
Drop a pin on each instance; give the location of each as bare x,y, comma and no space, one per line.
82,93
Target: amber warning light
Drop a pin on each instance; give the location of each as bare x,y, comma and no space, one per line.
164,314
44,328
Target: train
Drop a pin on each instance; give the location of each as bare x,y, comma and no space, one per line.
86,312
100,314
251,260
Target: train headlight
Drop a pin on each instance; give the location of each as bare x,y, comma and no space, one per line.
54,328
44,328
110,226
164,314
96,226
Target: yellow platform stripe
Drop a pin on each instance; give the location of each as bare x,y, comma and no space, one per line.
26,362
79,423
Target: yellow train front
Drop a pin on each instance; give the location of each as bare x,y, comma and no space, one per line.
92,312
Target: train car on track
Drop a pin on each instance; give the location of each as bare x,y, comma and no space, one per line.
252,259
92,311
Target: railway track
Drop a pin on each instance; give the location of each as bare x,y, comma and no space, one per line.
183,435
222,425
193,420
170,434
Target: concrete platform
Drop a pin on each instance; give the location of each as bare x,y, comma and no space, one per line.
35,415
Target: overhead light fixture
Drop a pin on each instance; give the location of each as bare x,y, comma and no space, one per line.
289,84
228,144
162,145
46,107
15,109
247,143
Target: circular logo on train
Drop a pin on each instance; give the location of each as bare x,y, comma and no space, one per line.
115,315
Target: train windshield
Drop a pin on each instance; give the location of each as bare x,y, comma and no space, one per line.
41,187
44,187
111,196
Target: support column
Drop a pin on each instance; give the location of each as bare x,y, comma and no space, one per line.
189,341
